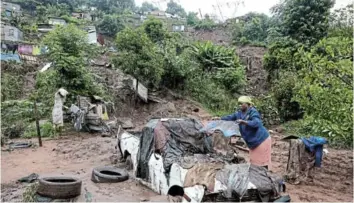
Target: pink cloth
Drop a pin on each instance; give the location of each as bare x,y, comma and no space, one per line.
261,155
25,49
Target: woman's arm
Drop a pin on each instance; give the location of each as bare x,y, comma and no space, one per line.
231,117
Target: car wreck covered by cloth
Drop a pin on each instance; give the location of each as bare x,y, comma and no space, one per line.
176,157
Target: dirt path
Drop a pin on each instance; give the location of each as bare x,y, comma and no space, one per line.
77,155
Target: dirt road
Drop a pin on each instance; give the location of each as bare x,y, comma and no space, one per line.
76,155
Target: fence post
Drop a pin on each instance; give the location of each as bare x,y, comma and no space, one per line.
37,124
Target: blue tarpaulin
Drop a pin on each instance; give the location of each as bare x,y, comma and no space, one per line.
228,128
10,57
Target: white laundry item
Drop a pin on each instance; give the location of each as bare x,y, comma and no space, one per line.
59,100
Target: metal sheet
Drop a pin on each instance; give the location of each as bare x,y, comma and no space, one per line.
142,90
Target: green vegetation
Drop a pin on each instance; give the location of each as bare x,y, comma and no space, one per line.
192,18
68,48
304,20
205,24
325,89
175,9
308,61
147,7
251,28
46,128
139,56
110,25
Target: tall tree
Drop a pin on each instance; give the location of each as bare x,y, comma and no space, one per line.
306,21
111,25
146,7
175,9
68,48
139,56
155,30
192,18
252,27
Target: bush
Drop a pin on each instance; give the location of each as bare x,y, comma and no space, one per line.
267,107
281,55
212,95
282,91
205,24
46,129
11,86
111,25
155,30
16,115
221,64
139,57
324,89
177,66
233,79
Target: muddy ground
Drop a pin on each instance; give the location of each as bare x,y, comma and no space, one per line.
76,155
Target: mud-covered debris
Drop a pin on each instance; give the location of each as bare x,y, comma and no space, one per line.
126,123
29,179
170,107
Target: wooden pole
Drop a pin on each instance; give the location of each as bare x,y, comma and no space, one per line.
37,124
136,92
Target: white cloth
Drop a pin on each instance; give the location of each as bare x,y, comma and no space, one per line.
59,100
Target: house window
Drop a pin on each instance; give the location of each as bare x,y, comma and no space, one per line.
11,32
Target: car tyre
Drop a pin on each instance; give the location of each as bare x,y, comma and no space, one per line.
109,174
59,187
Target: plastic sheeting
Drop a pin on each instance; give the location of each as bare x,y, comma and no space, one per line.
78,115
228,128
237,178
183,138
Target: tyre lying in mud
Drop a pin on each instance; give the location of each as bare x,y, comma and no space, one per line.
109,174
59,187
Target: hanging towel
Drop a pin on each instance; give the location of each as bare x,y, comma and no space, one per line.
35,51
315,144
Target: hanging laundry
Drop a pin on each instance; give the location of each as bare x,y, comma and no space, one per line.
36,51
12,48
44,50
25,49
315,144
3,47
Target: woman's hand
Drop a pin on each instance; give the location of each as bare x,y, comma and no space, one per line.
241,122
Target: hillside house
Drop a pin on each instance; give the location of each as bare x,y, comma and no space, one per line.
10,9
47,27
84,15
92,34
178,28
10,33
157,14
56,21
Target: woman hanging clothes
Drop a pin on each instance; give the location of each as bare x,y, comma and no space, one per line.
253,132
59,100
